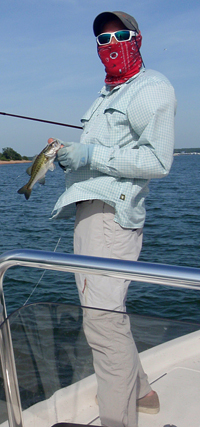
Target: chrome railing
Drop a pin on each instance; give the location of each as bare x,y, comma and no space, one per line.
182,277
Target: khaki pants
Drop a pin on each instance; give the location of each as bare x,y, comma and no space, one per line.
120,376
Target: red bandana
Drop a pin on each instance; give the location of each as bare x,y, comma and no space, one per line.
122,60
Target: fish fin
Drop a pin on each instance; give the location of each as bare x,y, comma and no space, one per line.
29,169
42,180
26,191
52,167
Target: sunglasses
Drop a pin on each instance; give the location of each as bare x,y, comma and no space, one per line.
120,36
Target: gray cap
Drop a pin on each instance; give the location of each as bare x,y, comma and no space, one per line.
104,17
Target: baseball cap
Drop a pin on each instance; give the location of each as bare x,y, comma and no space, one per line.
104,17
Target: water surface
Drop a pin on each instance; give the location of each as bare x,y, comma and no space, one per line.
171,236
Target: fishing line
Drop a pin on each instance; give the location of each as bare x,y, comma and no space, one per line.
41,275
23,173
40,120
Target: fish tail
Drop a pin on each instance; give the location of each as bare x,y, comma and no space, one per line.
26,191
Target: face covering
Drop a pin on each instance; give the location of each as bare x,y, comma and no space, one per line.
122,60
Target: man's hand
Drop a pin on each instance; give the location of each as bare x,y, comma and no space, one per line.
73,155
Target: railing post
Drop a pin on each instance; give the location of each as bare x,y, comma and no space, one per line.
9,368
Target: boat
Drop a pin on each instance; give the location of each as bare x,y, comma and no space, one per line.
47,377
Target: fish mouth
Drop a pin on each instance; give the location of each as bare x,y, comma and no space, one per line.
56,144
52,148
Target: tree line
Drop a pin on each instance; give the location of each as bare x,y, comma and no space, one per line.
10,154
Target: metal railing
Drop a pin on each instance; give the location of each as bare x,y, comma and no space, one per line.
181,277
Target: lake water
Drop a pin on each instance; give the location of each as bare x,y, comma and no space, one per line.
171,236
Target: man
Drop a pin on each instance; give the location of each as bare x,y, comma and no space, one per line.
128,138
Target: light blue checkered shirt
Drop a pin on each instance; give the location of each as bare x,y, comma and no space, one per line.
132,128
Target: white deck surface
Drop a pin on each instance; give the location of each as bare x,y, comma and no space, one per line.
179,394
178,383
174,369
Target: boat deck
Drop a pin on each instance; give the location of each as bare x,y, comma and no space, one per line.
173,369
178,391
177,383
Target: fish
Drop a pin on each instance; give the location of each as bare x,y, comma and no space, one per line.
41,164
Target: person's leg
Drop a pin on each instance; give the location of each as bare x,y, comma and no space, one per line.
97,234
120,376
115,361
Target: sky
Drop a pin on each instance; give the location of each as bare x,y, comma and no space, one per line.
50,68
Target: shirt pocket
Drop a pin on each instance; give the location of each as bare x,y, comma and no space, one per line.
89,113
119,128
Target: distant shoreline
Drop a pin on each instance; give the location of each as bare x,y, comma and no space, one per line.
12,162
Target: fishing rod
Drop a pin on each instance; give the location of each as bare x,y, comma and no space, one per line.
40,120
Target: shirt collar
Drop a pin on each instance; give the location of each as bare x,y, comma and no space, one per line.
105,91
